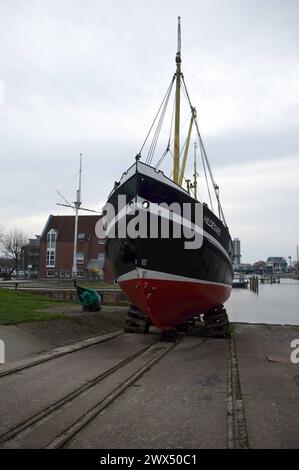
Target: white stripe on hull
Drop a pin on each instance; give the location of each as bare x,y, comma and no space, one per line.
140,273
155,209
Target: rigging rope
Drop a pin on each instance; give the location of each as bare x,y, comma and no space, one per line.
204,168
156,135
161,112
162,158
154,142
158,112
204,154
158,130
169,139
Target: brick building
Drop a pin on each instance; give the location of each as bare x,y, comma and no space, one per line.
57,245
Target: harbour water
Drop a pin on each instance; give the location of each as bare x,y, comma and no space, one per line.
274,304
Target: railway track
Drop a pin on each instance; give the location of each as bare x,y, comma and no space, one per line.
54,425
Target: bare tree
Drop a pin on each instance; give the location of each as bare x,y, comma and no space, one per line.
1,241
13,244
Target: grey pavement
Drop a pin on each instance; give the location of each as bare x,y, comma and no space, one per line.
20,343
270,388
179,403
28,392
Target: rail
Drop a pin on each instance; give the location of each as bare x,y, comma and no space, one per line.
140,361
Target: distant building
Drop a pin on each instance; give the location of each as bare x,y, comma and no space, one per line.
245,268
259,266
57,245
276,264
236,253
30,256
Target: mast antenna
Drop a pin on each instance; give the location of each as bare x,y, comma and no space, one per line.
179,36
176,153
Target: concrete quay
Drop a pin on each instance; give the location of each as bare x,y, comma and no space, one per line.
135,391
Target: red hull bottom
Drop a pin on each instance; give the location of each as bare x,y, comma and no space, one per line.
169,302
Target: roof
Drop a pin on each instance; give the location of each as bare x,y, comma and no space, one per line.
65,226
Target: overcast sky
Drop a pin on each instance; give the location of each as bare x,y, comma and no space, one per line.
88,76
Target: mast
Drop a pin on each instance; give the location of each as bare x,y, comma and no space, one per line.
195,173
176,160
193,115
77,205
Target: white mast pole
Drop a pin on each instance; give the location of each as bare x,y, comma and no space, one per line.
77,204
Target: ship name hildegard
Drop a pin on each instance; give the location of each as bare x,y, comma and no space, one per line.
212,225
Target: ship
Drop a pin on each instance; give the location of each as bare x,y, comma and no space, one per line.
149,221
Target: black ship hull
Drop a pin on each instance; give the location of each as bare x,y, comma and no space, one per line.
160,275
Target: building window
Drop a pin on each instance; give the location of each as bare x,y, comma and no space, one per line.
81,236
50,259
67,273
80,257
51,248
101,241
79,273
50,273
51,239
61,274
101,260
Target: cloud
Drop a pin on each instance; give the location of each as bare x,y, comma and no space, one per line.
261,206
89,78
